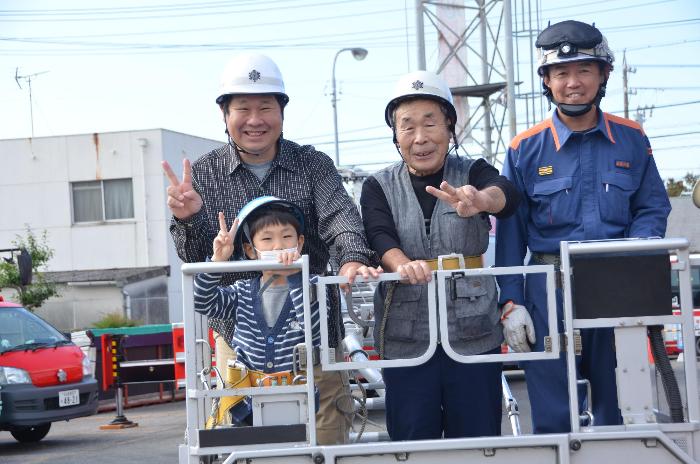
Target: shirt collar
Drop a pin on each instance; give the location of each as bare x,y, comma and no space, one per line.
561,133
288,155
285,157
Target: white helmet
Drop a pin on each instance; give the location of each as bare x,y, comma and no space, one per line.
421,84
252,73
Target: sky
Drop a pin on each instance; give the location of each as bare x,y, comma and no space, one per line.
129,65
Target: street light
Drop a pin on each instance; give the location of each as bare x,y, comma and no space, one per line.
359,54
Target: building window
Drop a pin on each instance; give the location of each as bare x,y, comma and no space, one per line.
102,200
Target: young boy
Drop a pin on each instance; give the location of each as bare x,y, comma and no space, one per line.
268,323
268,311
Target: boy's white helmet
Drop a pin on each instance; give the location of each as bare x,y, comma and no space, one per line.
251,73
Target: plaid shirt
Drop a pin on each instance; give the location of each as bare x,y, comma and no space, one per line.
299,174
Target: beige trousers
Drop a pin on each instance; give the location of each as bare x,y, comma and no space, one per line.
332,426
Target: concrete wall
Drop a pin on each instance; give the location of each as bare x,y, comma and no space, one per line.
79,307
38,194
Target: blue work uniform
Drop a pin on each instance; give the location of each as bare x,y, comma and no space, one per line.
596,184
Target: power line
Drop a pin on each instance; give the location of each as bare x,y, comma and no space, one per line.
626,7
113,16
693,65
678,22
670,105
667,44
123,8
677,147
674,135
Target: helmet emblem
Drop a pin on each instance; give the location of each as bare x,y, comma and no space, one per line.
254,75
62,376
417,85
566,48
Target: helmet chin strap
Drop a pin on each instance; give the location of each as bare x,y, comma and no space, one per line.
240,149
576,110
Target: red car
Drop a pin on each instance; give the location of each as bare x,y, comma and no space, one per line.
44,377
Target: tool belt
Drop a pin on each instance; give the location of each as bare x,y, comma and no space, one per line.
454,261
235,409
550,258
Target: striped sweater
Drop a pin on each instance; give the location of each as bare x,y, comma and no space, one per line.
257,346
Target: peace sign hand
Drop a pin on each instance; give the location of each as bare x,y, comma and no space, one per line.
223,242
466,200
183,199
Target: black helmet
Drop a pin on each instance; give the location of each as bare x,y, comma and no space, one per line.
570,41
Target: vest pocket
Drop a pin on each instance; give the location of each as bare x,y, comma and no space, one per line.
405,311
472,307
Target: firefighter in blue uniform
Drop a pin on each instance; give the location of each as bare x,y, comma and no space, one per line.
584,175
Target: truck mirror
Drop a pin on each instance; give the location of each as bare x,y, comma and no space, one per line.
24,264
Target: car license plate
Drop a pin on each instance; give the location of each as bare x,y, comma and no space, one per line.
68,398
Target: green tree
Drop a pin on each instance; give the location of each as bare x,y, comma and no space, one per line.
33,295
675,188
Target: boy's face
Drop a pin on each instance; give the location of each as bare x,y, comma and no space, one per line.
274,237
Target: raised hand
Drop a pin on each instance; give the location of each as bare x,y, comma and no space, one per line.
223,242
288,258
183,199
466,200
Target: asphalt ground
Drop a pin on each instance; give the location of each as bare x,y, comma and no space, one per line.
160,430
159,433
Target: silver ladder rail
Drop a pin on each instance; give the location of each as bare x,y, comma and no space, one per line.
196,354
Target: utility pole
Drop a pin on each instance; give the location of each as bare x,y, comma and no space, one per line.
625,87
641,115
28,78
420,35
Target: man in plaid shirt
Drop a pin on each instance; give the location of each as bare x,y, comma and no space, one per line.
258,161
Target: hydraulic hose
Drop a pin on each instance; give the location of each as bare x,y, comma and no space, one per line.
668,379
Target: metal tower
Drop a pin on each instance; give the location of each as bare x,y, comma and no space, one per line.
475,55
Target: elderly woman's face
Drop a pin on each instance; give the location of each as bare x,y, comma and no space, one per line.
423,135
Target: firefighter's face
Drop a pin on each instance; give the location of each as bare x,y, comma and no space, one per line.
574,83
423,135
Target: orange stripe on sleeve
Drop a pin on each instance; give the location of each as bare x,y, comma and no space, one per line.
534,130
622,121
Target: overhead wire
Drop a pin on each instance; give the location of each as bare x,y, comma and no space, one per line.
110,16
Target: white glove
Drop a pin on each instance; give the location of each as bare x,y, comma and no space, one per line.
516,324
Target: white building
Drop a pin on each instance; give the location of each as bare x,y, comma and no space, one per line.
101,198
